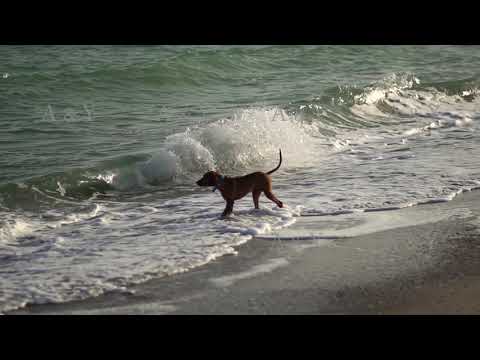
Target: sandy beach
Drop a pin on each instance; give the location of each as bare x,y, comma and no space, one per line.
427,268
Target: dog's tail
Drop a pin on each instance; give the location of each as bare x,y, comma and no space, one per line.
280,163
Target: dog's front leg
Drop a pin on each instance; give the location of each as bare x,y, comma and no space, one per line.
228,209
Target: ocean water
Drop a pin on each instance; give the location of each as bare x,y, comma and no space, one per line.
101,147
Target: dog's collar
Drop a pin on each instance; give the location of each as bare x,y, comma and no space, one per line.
220,182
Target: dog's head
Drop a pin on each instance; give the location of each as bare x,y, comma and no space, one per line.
208,179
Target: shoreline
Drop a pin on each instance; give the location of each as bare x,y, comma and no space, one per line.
430,267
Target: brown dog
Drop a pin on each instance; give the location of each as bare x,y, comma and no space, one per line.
237,187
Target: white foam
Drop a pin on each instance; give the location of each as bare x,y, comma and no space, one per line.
61,189
161,167
389,87
246,221
13,229
144,242
258,228
445,120
441,199
374,96
190,154
432,200
396,94
248,140
77,217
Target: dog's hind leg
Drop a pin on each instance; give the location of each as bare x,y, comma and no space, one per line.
256,196
272,197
